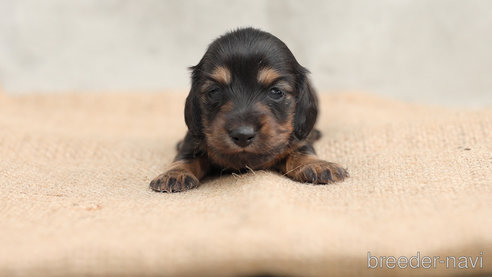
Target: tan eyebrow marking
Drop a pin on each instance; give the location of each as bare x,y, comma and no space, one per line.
222,75
266,76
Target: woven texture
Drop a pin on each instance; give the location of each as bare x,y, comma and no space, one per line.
75,168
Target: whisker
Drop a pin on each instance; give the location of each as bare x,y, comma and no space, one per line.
250,169
293,169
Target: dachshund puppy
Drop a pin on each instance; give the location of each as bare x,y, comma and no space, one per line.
251,106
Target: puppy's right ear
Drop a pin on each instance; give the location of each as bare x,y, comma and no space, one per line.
193,114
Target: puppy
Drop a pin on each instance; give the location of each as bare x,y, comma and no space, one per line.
251,106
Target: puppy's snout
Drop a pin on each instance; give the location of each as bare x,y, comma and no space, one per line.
243,135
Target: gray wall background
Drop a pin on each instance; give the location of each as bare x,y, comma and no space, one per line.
434,51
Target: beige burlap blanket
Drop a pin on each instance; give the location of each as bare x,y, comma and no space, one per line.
75,169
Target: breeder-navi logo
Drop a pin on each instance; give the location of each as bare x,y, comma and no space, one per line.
462,262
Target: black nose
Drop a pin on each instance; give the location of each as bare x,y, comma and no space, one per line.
243,136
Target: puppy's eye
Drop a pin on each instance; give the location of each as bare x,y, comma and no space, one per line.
276,94
213,92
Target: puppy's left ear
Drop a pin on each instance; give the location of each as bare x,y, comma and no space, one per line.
306,111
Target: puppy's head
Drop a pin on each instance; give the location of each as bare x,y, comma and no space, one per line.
250,99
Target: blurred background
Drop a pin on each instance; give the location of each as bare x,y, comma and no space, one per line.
435,51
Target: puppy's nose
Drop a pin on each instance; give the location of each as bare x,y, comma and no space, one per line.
243,135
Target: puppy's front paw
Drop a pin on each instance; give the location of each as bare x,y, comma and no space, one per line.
319,172
174,181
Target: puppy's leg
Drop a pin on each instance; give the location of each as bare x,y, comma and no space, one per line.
181,175
185,173
302,165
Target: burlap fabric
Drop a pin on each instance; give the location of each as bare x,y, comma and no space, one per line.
75,168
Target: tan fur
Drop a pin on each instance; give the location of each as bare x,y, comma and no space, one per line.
270,126
266,76
222,75
215,131
308,168
181,175
197,167
270,135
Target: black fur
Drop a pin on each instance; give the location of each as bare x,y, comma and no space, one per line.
279,114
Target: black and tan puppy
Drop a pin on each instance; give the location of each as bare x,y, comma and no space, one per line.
251,106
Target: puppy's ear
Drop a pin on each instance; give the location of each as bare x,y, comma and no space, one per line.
193,114
306,111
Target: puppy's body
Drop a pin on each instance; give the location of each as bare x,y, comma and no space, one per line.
251,105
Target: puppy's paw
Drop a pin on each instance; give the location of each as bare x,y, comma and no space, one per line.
174,181
319,172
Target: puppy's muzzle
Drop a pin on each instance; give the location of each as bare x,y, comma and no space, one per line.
243,135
